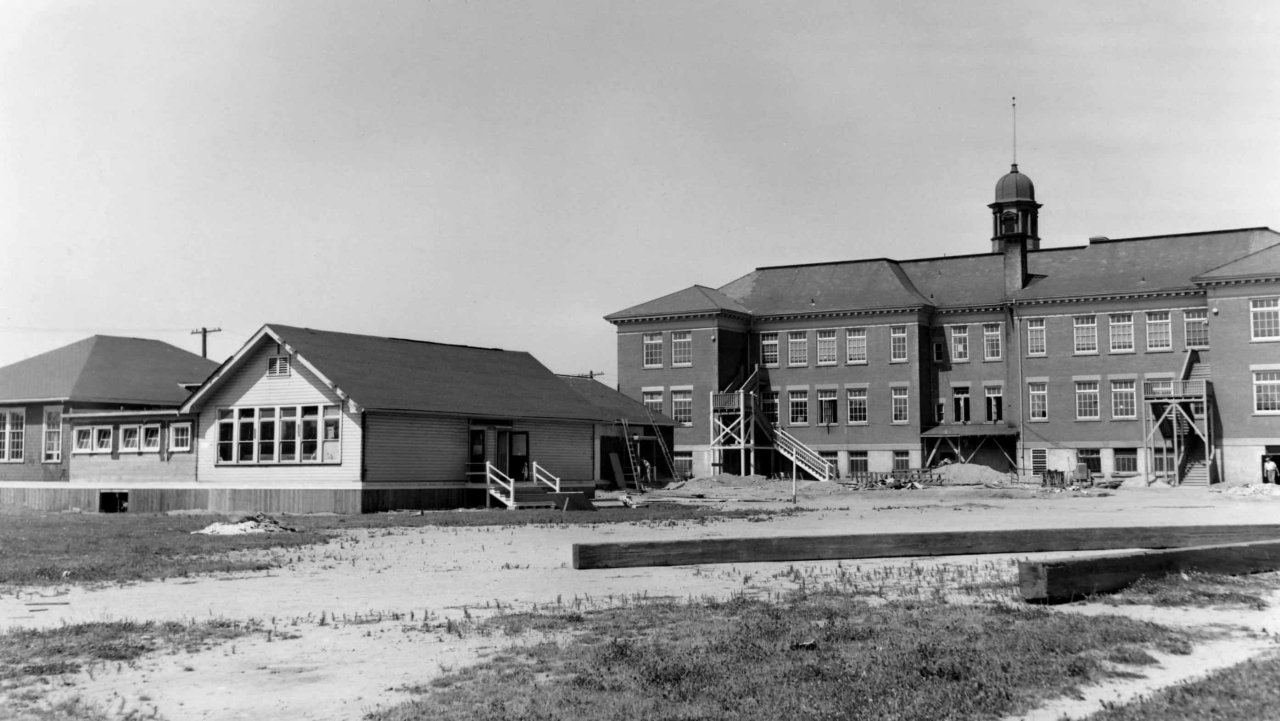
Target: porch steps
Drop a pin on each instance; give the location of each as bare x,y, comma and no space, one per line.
527,495
1196,474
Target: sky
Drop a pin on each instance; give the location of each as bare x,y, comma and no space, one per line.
504,174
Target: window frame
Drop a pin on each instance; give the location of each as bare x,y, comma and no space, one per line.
992,334
1272,383
1084,328
307,434
797,407
899,348
988,393
11,438
798,348
961,404
900,405
958,337
647,400
51,452
828,400
278,366
1037,390
681,348
1113,325
826,338
1197,318
1120,394
901,460
1270,313
769,405
682,406
651,350
147,429
858,418
124,431
1088,398
1037,330
1128,454
767,340
1153,328
174,446
855,339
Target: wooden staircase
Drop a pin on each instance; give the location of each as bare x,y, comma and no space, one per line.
515,495
1196,473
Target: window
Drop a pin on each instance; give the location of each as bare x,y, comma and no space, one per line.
769,404
1125,460
902,460
799,407
827,407
179,437
1039,401
1086,400
798,348
13,427
1195,325
684,463
995,403
826,347
898,344
652,400
991,337
959,343
1264,318
939,352
652,350
1266,391
901,411
83,440
939,411
278,365
832,460
1039,460
857,405
960,403
1158,334
856,345
1035,337
1124,399
681,347
102,439
130,438
682,407
1086,334
769,349
277,434
1091,458
857,462
150,439
53,435
1120,328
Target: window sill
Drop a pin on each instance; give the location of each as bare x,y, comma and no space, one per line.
1265,340
290,464
857,423
653,368
1085,352
1088,420
1115,419
1159,350
855,363
1037,420
826,364
993,360
896,362
1037,355
1130,351
681,365
899,423
959,360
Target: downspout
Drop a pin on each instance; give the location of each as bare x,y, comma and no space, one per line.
1022,410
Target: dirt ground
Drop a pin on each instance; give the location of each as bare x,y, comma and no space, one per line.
349,615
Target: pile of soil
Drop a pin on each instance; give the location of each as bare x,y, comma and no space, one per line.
260,523
969,474
1252,489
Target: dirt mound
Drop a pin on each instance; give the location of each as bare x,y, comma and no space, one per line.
1252,489
969,474
260,523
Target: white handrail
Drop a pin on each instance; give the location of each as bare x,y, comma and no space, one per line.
806,457
494,476
542,475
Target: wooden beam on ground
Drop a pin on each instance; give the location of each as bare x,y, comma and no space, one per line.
888,545
1067,579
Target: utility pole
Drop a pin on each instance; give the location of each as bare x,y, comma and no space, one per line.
204,339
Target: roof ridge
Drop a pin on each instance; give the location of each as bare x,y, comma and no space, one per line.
392,338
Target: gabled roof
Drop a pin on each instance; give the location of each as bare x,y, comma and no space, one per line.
1138,265
959,281
1264,263
106,369
614,405
878,284
408,375
694,300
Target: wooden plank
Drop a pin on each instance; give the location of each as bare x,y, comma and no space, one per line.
1067,579
889,545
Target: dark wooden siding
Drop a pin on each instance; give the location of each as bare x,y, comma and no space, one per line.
564,449
415,448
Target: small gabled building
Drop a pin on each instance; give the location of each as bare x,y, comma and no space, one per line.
104,406
303,420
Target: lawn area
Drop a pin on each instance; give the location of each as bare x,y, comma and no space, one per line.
812,656
76,548
1248,692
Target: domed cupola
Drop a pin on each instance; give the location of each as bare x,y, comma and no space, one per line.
1015,212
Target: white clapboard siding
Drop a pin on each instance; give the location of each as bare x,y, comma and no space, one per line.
250,386
565,449
415,448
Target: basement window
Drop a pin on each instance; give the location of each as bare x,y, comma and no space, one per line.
113,501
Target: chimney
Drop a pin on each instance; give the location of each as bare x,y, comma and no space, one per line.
1015,265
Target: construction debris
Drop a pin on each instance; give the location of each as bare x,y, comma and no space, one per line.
259,523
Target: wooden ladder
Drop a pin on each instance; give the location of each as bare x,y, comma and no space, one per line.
631,456
666,453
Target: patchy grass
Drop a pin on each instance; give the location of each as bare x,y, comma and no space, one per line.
810,656
31,660
47,549
1246,692
1199,590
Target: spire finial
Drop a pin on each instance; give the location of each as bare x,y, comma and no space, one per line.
1015,132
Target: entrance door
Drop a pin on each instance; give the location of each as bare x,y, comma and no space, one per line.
520,470
475,458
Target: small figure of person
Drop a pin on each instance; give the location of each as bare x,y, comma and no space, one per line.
1269,471
646,471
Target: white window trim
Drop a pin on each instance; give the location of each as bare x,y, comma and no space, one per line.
791,401
999,336
56,456
320,441
278,366
848,357
1031,393
1132,391
644,350
893,399
906,344
835,346
1097,400
777,354
866,406
1254,392
1075,334
1167,323
137,428
1253,327
173,442
685,393
953,333
805,340
689,342
1187,322
143,437
93,439
1111,337
8,414
1043,328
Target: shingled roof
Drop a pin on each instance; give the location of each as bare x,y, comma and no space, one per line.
106,369
614,405
1264,263
410,375
694,300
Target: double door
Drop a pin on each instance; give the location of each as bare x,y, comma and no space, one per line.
510,452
